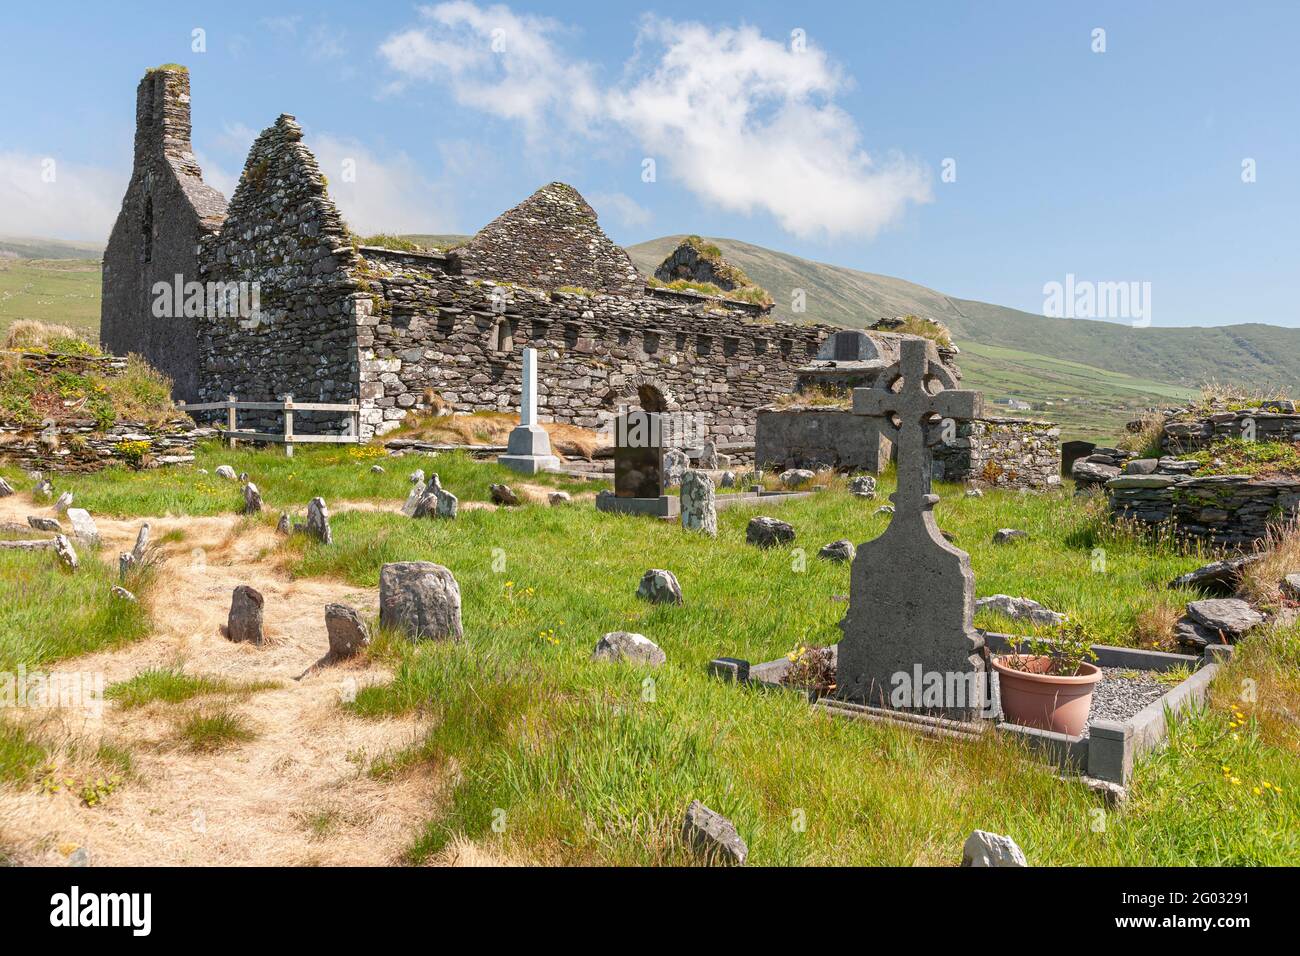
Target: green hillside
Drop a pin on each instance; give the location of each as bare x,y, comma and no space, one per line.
1258,354
62,291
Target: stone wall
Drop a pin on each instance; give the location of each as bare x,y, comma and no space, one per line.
813,437
436,336
167,210
1227,510
999,453
76,446
283,233
996,453
1276,421
48,363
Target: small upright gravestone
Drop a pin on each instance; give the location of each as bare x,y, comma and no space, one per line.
348,634
435,500
912,593
699,507
252,499
318,521
244,624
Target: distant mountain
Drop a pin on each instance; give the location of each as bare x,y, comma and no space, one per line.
23,247
1253,354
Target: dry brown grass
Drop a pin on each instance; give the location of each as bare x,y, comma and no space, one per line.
28,335
493,428
1154,626
1146,440
1261,582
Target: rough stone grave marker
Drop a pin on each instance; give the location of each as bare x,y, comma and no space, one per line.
908,639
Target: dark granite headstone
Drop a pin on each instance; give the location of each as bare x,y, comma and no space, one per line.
908,639
638,456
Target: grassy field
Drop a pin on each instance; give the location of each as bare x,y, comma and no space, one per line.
550,757
60,291
1088,403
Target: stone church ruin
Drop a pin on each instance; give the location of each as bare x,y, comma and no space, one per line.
405,332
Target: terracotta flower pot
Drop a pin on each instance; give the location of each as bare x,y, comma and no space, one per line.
1057,702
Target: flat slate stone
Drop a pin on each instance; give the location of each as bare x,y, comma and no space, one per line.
1232,616
1008,535
41,523
1192,633
1141,481
1219,576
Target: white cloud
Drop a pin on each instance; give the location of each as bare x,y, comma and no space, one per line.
743,121
621,206
496,61
81,202
387,195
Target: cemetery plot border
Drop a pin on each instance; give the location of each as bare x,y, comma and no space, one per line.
1109,751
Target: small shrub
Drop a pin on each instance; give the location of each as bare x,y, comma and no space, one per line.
1146,441
812,668
1066,651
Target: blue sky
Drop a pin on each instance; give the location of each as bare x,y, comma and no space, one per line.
1117,166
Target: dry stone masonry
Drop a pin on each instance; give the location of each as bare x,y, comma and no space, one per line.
166,212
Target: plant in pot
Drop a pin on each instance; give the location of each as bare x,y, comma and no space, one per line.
1048,683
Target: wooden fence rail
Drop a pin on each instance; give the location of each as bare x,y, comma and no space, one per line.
232,433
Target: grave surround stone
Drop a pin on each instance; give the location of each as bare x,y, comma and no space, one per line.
912,593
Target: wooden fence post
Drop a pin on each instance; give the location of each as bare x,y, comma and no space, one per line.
231,420
288,425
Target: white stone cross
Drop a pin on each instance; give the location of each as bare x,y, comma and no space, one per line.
528,395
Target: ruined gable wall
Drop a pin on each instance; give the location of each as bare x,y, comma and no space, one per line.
165,213
434,330
551,239
284,233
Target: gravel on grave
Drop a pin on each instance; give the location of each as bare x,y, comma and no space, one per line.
1122,693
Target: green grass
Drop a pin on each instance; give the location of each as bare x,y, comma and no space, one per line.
336,474
1237,456
172,686
47,613
587,769
64,291
214,730
20,755
591,763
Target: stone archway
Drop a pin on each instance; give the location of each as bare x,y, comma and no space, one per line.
641,391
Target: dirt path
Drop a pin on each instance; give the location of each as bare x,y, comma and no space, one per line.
297,794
